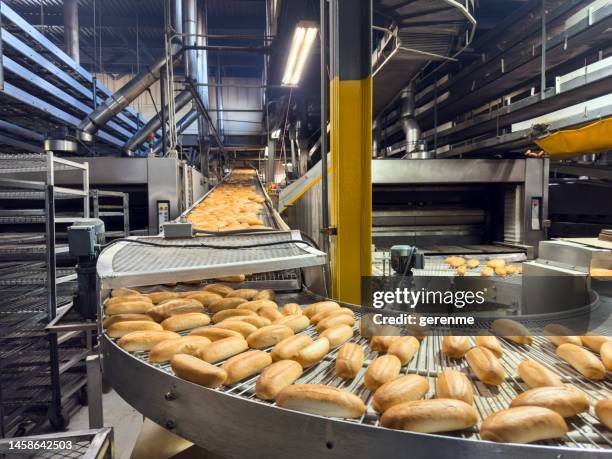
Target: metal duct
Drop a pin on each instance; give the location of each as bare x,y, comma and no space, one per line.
177,17
154,124
190,28
219,98
123,97
411,129
202,89
181,125
71,29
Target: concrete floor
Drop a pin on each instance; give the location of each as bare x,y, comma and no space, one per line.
118,414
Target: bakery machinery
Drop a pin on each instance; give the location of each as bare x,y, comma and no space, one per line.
231,421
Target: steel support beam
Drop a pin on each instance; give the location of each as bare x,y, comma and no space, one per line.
351,146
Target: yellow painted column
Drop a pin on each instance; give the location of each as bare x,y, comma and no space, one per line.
351,147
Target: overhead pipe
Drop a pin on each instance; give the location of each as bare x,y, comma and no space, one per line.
177,18
219,98
190,30
412,131
71,29
154,124
181,126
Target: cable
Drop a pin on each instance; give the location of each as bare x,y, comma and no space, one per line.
206,246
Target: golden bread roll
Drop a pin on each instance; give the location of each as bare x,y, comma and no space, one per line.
455,346
125,318
404,348
124,292
338,334
296,322
246,293
487,271
605,352
559,334
158,297
321,400
535,375
165,350
291,308
119,329
565,400
583,361
319,316
485,365
233,278
403,389
512,330
496,263
594,342
491,343
276,377
223,349
381,343
265,295
226,303
256,305
603,410
430,416
461,270
239,326
313,353
123,299
197,371
455,262
247,364
335,320
510,269
472,263
128,307
523,424
219,289
175,306
456,385
290,347
214,334
144,340
349,360
182,322
268,336
382,369
314,308
501,271
206,298
227,313
253,320
270,312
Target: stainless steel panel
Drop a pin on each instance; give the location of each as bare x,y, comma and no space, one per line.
163,185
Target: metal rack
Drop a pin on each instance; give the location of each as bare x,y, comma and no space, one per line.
39,372
108,212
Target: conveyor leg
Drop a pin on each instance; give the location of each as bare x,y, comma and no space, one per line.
94,392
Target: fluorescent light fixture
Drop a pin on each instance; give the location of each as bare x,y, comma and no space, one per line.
275,134
266,152
303,39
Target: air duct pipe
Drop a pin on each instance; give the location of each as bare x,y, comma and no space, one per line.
181,126
219,98
177,17
123,97
190,29
71,29
153,125
201,78
411,129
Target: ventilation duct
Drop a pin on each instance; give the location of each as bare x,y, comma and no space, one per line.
410,127
71,29
181,126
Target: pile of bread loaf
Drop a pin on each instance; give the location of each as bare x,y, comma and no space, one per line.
494,267
232,335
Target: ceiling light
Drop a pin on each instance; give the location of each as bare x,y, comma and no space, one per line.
303,38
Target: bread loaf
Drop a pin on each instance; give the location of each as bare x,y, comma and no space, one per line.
128,307
335,320
197,371
158,297
455,346
512,330
175,306
485,365
247,364
233,278
338,334
276,377
270,312
214,334
182,322
206,298
253,320
496,263
239,326
349,360
110,320
487,271
319,316
491,343
265,295
291,308
246,293
165,350
456,385
565,400
225,303
430,416
603,410
290,347
383,369
321,400
219,289
472,263
382,343
523,424
605,352
268,336
594,342
124,292
256,305
296,322
226,313
144,340
558,334
120,329
223,349
404,348
403,389
313,353
583,361
535,375
123,299
314,308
